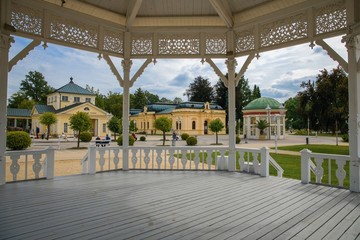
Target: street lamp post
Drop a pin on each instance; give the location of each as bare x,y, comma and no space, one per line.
268,109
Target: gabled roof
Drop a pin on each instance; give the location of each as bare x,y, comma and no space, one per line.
69,107
72,87
18,112
44,108
159,107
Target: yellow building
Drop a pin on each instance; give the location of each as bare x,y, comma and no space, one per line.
65,102
188,117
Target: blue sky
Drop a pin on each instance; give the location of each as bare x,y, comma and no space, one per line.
278,73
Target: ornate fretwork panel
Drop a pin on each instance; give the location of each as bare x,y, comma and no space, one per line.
244,41
141,44
26,19
282,31
330,18
113,41
179,44
215,43
73,32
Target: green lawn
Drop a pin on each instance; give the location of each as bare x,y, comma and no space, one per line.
292,169
292,163
331,149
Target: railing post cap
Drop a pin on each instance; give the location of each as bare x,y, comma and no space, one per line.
305,150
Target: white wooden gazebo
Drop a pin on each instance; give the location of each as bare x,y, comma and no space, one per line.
202,29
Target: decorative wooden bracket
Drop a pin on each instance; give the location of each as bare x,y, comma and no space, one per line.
117,74
217,71
113,69
334,55
244,68
140,71
23,53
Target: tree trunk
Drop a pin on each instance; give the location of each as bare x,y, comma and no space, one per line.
163,138
48,132
216,138
114,136
78,142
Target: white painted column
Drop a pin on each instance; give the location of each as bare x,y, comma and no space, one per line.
353,46
5,41
231,64
126,64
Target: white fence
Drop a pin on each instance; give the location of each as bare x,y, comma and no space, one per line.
177,158
30,164
317,166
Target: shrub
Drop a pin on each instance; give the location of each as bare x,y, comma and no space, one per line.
18,140
301,132
184,136
85,137
142,139
11,129
238,140
345,137
120,140
191,141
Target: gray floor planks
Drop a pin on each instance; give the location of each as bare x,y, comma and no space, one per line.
176,205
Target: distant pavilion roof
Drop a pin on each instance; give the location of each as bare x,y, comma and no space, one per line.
72,87
44,108
262,103
18,112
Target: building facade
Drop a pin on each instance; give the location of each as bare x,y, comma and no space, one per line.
65,102
188,117
267,109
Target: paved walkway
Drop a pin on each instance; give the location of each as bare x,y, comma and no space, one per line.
65,149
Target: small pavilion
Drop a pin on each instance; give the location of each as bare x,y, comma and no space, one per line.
267,109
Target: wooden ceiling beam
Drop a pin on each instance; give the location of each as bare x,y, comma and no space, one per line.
132,11
223,10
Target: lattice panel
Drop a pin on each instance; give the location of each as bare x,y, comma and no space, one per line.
142,44
331,18
285,30
26,19
215,43
73,32
113,41
179,44
244,41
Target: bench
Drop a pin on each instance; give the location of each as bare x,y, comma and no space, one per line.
102,143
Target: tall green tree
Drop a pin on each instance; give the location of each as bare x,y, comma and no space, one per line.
35,87
216,126
139,99
293,114
80,122
325,101
20,100
255,93
242,96
113,104
151,98
163,124
200,90
48,119
115,125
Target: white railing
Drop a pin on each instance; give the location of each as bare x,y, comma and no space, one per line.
316,167
29,164
254,160
174,158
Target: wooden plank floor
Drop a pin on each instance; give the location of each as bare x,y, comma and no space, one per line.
176,205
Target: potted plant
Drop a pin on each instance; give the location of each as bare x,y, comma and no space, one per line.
261,125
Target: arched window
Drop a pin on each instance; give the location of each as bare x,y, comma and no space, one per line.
86,109
193,125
